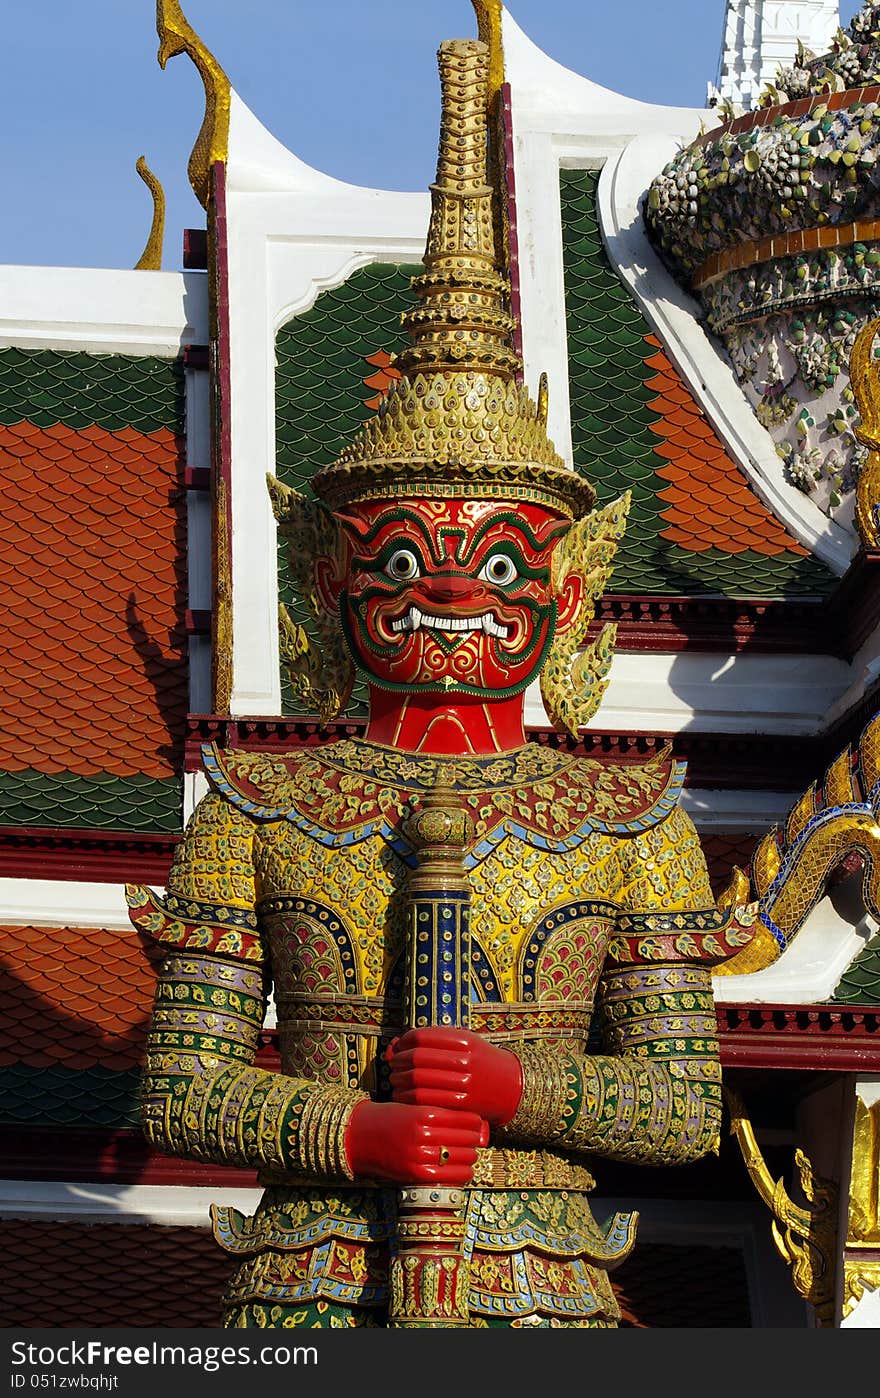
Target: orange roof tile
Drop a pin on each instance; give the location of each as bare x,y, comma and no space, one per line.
92,572
723,852
384,377
125,1275
75,996
709,502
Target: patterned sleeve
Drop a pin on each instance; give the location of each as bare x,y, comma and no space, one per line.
653,1094
202,1096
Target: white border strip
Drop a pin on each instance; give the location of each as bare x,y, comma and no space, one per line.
58,903
103,312
182,1205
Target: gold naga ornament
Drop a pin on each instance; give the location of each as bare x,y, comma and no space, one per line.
805,1234
835,819
456,424
177,36
861,1259
863,377
789,871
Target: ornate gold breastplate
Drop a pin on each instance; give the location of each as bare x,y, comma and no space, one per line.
332,864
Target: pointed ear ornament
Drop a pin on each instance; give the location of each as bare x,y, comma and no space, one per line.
319,667
574,680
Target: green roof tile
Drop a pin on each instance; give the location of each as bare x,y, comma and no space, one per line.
320,392
135,802
860,983
69,1097
614,444
83,390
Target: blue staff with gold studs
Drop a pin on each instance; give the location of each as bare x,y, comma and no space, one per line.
430,1278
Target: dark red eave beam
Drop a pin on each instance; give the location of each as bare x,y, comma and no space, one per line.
88,856
819,1038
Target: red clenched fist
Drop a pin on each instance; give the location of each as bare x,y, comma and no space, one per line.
457,1069
412,1145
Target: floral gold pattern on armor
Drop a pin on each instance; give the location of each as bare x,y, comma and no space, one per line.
539,926
196,927
345,790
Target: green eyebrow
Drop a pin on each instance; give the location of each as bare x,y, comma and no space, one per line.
401,516
463,556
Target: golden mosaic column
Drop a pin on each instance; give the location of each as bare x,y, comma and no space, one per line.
860,1302
430,1276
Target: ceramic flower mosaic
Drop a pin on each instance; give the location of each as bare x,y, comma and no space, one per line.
772,219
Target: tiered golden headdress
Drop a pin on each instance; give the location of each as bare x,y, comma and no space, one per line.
458,422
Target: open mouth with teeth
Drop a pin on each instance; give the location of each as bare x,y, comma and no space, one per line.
416,620
487,649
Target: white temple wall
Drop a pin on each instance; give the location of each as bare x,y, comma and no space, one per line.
292,232
761,36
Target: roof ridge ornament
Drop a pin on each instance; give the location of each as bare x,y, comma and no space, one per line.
176,35
489,13
150,259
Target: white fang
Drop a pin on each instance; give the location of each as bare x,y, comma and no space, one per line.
415,620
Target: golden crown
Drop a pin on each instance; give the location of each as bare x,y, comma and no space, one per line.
458,422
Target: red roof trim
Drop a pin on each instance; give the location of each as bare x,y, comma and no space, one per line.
89,856
823,1038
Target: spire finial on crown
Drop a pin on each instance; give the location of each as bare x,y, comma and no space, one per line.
462,321
457,423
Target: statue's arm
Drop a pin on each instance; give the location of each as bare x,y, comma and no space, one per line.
652,1095
203,1097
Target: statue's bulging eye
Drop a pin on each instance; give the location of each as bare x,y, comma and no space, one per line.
402,566
499,569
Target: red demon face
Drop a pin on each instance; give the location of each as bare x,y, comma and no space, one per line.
450,595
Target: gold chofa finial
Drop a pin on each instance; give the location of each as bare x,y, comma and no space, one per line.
176,35
150,259
489,14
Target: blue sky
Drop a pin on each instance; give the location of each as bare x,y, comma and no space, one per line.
349,85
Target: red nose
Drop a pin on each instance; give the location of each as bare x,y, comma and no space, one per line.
446,587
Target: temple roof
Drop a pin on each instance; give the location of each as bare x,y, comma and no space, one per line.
75,997
126,1275
130,1275
93,572
636,424
75,1009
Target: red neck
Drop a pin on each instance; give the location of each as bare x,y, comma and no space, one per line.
427,723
